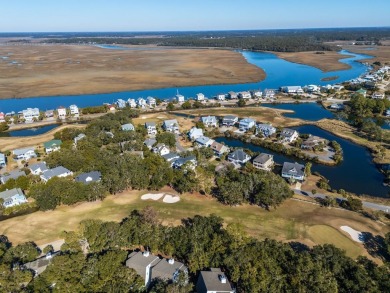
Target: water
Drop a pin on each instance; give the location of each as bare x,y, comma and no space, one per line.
306,111
356,173
279,73
29,132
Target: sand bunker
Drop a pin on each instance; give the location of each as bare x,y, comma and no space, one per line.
355,235
154,196
171,198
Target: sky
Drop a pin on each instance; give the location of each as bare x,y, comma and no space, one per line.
184,15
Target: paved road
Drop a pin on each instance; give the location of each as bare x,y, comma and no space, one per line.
179,147
366,204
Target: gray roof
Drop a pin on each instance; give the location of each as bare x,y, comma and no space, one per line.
139,261
182,161
293,169
150,124
203,140
287,132
263,158
230,117
55,172
35,167
170,123
127,127
170,156
18,152
10,193
209,119
39,265
211,281
89,177
238,155
150,142
12,175
166,270
80,136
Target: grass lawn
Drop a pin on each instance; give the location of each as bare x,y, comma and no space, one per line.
292,221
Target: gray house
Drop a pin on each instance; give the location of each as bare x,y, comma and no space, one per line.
264,162
150,142
128,127
3,161
213,281
39,265
12,175
55,172
266,130
38,168
12,197
209,121
293,170
151,127
190,161
229,120
171,126
239,157
86,178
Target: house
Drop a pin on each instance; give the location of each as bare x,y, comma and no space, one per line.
171,126
61,111
132,103
55,172
109,134
292,89
151,128
246,124
232,95
338,87
377,95
2,117
141,102
311,88
289,135
265,130
151,267
264,162
12,197
151,102
171,157
121,103
30,114
190,162
49,113
78,138
128,127
219,148
39,265
256,94
199,97
336,106
229,120
11,175
3,161
244,95
269,94
52,145
161,149
179,98
150,142
293,170
361,92
209,121
213,281
38,168
313,141
238,157
387,113
220,97
74,110
204,141
90,177
194,133
24,154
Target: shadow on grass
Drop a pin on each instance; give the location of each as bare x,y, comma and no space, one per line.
375,246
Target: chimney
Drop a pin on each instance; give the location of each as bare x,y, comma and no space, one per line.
171,261
222,278
145,253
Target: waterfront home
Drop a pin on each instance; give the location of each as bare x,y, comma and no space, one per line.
269,94
264,162
377,95
292,89
171,157
90,177
232,95
213,281
179,98
370,84
2,117
238,157
293,170
229,120
15,174
150,142
39,265
244,95
256,94
3,161
338,87
30,114
52,145
38,168
219,148
311,88
59,171
209,121
132,103
61,112
49,113
312,141
362,92
337,107
74,110
78,138
24,154
204,141
121,103
128,127
151,102
246,124
265,130
171,126
200,97
141,102
12,197
220,97
189,162
151,267
161,149
194,133
151,128
289,135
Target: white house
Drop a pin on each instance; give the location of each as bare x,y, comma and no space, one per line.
128,127
151,128
312,88
141,102
244,95
292,89
266,130
232,95
293,170
121,103
256,94
209,121
269,94
2,117
3,161
199,97
161,149
171,126
52,145
132,103
246,124
74,110
30,114
24,154
38,168
61,111
13,197
55,172
194,133
78,138
289,135
151,102
220,97
189,162
204,141
229,120
219,148
179,98
378,96
239,157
